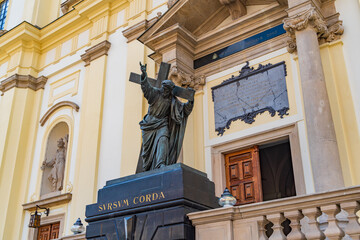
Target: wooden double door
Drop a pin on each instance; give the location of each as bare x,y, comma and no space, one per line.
48,232
254,175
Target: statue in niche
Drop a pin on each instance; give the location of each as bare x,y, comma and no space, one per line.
163,127
57,166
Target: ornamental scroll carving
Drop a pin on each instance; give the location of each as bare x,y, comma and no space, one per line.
185,79
311,18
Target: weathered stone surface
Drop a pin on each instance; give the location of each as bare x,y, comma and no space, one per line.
251,93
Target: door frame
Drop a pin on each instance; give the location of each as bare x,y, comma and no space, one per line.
291,132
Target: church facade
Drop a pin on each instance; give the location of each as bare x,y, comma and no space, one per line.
276,116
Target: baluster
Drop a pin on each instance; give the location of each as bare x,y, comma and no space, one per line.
313,231
295,217
262,221
277,219
352,228
333,231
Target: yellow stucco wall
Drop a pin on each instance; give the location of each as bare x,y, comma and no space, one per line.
27,52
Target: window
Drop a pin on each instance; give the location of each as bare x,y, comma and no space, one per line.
3,10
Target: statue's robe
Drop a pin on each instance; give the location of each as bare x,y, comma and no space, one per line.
163,128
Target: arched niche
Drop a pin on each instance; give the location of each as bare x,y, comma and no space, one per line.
54,161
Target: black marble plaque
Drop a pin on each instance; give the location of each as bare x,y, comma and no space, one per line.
251,93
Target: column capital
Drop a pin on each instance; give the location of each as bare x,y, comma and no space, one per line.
311,18
185,79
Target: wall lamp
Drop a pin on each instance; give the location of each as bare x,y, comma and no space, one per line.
36,217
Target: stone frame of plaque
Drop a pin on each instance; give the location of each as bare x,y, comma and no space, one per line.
253,92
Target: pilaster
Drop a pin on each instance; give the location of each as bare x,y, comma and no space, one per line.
87,160
19,118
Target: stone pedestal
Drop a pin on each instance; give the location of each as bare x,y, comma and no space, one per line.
150,205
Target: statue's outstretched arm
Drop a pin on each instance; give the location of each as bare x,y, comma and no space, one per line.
148,90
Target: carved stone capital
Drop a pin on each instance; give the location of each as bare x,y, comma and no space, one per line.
236,8
311,18
185,79
23,81
300,22
95,52
334,32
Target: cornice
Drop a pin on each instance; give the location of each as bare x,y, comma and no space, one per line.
56,107
78,17
48,202
95,52
167,38
22,81
23,32
133,32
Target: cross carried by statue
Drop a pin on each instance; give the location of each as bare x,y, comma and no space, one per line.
187,94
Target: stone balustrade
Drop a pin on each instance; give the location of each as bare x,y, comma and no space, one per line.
328,215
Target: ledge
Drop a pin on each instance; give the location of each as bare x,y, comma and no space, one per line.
80,236
48,202
23,81
133,32
95,52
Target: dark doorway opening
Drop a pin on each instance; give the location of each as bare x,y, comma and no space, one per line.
277,175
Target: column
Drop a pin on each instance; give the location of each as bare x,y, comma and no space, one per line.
304,30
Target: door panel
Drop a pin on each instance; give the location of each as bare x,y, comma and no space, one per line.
48,232
243,175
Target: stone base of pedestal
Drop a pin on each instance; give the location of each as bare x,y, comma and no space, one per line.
150,205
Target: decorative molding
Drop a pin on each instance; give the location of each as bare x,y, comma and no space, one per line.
69,187
236,8
185,79
48,202
302,21
133,32
311,18
56,107
64,86
23,81
95,52
334,32
67,4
